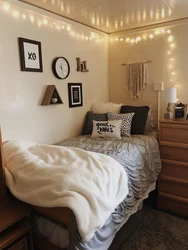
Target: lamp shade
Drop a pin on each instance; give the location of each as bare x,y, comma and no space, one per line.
170,95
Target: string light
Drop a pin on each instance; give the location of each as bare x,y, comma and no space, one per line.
170,39
39,20
31,18
172,45
15,14
6,7
68,28
45,22
138,39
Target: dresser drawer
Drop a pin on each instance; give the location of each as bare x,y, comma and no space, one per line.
175,169
174,132
173,186
19,245
173,204
174,153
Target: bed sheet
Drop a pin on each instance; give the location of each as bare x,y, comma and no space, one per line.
140,157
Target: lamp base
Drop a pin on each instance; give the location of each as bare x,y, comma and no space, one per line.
168,115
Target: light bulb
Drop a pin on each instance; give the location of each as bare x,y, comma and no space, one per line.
151,36
24,16
45,22
68,28
132,40
6,7
32,18
157,32
121,39
116,39
39,23
138,38
127,39
15,14
172,45
170,38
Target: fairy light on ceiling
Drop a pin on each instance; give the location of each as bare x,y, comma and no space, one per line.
45,21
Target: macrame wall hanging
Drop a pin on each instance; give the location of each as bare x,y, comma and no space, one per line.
136,77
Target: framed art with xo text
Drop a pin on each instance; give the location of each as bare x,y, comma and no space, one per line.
30,55
75,95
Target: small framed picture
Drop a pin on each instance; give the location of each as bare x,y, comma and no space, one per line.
30,55
181,112
75,95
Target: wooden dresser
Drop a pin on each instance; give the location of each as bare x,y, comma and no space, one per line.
173,180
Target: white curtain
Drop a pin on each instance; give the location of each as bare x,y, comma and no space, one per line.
137,78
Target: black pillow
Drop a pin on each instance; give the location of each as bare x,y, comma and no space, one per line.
88,125
139,118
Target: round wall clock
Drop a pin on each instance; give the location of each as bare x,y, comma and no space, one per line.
61,67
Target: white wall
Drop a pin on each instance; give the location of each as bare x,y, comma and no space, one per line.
21,93
155,49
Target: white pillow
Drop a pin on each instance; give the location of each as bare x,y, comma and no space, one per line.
101,108
110,129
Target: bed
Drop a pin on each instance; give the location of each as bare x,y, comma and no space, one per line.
140,157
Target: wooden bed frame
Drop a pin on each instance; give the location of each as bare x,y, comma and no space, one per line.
63,216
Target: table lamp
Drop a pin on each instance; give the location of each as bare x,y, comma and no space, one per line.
170,96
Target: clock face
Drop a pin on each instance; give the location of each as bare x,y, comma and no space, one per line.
61,67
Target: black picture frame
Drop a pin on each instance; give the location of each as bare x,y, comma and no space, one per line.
30,55
75,95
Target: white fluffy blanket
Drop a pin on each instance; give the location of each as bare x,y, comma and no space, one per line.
90,184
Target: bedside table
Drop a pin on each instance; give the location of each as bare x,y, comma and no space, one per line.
173,180
15,229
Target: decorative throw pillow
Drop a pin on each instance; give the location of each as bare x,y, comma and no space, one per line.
149,122
139,119
110,129
126,122
88,125
99,108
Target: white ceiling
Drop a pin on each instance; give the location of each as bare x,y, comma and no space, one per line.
116,15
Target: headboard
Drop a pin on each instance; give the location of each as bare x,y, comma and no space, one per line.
2,172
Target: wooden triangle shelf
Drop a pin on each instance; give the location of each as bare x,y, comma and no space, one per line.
51,96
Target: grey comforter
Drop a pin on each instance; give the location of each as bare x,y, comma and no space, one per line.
140,157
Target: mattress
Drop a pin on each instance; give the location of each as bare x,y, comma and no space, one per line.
140,157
